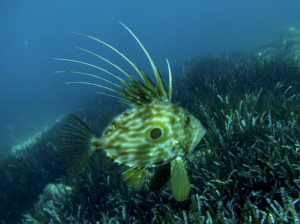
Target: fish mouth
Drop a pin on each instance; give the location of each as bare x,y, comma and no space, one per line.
201,132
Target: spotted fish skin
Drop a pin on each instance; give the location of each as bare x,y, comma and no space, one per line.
152,132
128,139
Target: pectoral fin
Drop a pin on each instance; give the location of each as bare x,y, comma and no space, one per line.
179,180
134,176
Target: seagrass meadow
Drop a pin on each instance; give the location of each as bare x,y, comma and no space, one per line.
247,169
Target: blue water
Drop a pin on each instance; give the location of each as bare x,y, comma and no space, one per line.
33,32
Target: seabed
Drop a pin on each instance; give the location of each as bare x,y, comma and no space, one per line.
247,169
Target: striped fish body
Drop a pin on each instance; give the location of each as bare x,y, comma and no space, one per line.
150,135
153,132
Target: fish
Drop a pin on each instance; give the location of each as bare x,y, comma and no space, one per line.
150,131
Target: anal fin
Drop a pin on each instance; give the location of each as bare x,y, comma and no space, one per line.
179,180
134,176
161,177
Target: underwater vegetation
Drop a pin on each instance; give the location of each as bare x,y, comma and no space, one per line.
246,170
249,166
25,172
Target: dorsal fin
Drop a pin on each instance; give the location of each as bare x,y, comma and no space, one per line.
160,83
135,93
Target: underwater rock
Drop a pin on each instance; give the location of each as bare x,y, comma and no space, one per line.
51,203
288,45
290,34
290,40
54,192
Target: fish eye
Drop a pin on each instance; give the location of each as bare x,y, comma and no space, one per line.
187,118
155,133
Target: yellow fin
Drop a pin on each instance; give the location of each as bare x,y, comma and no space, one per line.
128,173
139,183
179,180
134,176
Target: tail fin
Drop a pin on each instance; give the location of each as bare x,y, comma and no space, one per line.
179,180
78,144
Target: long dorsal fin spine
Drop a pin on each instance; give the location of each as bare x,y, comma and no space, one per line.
143,76
91,65
93,84
160,83
148,83
109,62
135,93
170,82
122,100
88,74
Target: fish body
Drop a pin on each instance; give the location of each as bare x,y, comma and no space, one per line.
150,135
151,132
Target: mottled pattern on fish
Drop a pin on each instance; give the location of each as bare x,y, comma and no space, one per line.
152,132
130,139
